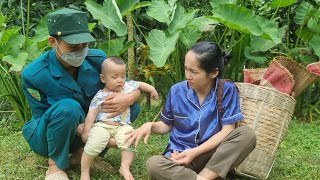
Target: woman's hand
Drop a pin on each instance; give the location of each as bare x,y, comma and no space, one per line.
183,158
137,134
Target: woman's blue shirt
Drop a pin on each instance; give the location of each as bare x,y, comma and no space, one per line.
193,124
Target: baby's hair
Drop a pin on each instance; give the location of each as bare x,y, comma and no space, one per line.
114,59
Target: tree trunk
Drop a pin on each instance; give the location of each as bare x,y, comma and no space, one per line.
131,60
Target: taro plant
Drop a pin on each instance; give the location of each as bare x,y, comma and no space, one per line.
265,29
177,26
16,50
13,59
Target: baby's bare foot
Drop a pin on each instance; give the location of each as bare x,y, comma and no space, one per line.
85,176
125,172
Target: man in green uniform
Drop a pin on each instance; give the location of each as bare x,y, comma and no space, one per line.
59,86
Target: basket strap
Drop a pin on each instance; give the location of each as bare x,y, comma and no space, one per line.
219,96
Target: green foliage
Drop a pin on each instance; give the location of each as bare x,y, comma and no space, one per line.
115,47
161,46
13,59
299,153
254,31
108,14
236,17
297,158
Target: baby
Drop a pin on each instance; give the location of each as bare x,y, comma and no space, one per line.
99,128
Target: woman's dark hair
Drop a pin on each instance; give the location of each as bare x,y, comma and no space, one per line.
210,56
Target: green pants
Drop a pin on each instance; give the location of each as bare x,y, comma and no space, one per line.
229,154
55,135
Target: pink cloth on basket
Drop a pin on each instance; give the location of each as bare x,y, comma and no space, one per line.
253,76
278,77
314,68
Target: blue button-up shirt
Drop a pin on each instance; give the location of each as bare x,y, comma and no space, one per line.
192,123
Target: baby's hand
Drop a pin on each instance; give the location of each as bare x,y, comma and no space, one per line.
154,94
84,137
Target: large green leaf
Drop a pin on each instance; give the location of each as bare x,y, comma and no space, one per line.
237,18
161,46
315,44
190,35
161,11
15,44
215,3
137,6
259,58
33,51
304,33
18,63
41,31
7,33
125,5
2,19
203,23
108,14
270,29
116,47
180,19
259,44
281,3
308,58
302,12
313,24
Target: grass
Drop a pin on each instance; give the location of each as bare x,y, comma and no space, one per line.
297,158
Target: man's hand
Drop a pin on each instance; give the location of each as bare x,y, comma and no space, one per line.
80,129
116,103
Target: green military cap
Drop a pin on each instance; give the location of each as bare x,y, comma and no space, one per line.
70,25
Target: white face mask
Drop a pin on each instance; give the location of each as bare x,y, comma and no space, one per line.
74,58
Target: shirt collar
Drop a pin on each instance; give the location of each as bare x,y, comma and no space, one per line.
192,95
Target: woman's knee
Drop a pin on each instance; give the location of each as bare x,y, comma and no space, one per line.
249,135
153,164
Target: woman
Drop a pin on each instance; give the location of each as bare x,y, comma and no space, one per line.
200,146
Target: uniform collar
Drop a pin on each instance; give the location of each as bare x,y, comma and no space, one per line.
57,70
55,66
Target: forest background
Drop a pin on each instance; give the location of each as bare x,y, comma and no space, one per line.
152,37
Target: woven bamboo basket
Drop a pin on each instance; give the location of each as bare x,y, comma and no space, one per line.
268,112
302,77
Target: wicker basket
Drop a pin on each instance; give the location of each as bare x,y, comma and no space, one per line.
302,77
268,112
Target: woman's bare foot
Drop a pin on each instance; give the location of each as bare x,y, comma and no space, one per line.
125,172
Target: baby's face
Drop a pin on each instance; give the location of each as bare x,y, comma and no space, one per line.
114,76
